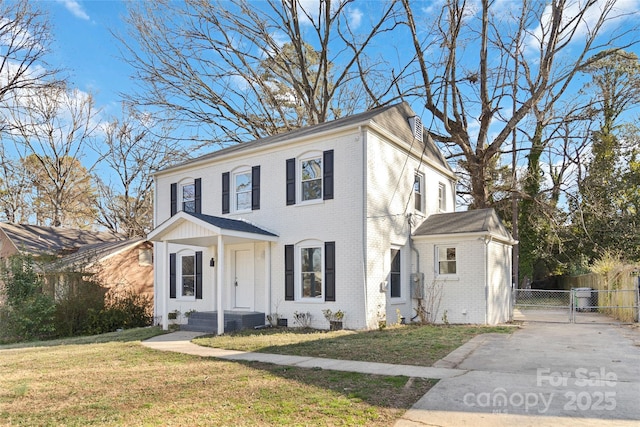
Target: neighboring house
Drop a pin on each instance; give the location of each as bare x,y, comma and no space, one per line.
63,253
324,217
122,267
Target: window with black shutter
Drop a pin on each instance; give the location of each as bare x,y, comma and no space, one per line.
172,275
289,275
330,271
225,193
291,181
327,175
255,188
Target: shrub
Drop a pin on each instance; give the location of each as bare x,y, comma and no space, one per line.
123,311
80,300
27,313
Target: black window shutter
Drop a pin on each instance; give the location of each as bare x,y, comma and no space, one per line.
198,195
291,181
255,188
174,199
225,192
330,271
327,178
172,275
289,293
199,275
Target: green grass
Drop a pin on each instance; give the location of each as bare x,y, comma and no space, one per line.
410,344
112,380
124,383
127,335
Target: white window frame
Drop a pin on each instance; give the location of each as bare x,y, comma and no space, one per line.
318,156
183,200
180,276
299,271
442,197
235,192
399,273
438,260
419,179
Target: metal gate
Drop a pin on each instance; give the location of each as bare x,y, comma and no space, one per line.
579,305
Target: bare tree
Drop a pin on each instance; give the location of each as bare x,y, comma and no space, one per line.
236,70
476,53
52,136
15,190
132,149
24,43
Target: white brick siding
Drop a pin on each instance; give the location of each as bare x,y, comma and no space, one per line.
370,214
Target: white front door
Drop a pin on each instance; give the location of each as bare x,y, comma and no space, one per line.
243,280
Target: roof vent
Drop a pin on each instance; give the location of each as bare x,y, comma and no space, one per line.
416,127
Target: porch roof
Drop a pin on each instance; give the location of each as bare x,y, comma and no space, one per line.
199,229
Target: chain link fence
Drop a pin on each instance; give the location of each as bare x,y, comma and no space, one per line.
577,305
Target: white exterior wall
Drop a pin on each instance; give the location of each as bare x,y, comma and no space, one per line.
338,220
462,295
499,283
390,200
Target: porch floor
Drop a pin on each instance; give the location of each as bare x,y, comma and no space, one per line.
207,321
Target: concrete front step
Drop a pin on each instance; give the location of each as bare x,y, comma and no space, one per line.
207,321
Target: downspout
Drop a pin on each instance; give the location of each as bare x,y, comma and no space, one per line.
414,250
486,240
364,225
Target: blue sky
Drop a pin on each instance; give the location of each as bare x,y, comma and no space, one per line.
83,45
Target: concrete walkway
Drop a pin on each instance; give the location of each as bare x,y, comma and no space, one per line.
181,342
544,374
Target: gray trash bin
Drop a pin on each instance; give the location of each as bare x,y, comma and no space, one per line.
583,298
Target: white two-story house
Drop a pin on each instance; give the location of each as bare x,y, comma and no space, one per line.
355,215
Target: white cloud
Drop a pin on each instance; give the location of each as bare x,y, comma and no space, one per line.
75,8
355,18
621,12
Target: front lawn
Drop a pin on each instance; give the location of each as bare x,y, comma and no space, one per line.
124,383
420,345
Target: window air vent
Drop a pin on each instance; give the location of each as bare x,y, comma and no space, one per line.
416,127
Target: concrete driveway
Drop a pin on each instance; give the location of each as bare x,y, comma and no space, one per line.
543,374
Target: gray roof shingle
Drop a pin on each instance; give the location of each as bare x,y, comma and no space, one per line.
473,221
37,239
232,224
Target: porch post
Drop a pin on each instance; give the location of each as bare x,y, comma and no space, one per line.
219,279
165,285
267,287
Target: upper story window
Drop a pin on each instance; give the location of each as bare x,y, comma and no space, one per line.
189,197
442,197
446,260
311,179
186,196
242,188
418,192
